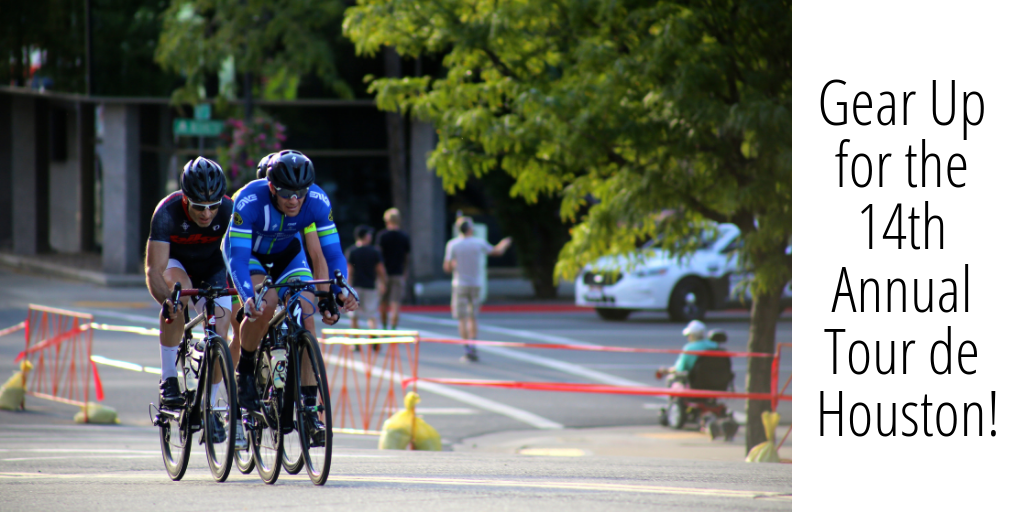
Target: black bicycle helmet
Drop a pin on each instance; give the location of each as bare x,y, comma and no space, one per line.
290,170
203,181
261,168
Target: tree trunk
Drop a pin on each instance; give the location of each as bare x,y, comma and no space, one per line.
763,318
396,139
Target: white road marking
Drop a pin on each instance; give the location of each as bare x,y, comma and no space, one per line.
125,365
68,457
527,335
77,450
456,394
446,410
150,320
555,364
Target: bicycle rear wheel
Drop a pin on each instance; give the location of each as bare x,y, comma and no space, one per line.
244,460
291,457
266,440
314,419
176,443
219,419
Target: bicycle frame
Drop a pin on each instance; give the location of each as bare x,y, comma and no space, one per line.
185,348
292,316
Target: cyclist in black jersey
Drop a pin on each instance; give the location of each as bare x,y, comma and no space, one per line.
184,247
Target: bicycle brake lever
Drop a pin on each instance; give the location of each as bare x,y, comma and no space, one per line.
175,295
260,293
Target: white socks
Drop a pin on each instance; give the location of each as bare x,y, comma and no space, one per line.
213,390
167,357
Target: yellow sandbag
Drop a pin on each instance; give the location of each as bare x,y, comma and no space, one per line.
766,451
98,414
426,439
12,393
398,429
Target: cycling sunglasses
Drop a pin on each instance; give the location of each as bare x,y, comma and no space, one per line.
200,207
290,194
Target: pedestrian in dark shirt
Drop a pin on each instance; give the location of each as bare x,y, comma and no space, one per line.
394,247
366,272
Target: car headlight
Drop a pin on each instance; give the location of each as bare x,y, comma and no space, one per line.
648,272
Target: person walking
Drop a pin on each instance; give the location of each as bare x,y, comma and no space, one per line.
394,248
462,260
366,268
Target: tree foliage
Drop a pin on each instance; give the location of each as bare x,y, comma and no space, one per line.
277,41
667,115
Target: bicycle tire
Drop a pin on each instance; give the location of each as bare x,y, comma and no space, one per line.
317,458
244,460
176,442
220,408
291,456
266,439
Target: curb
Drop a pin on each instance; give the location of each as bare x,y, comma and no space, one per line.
89,276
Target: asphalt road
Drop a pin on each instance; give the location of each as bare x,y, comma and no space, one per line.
45,458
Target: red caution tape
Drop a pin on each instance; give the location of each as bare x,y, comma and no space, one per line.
595,348
570,387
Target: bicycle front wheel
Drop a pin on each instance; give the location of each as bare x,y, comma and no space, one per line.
315,410
266,440
219,418
244,460
176,442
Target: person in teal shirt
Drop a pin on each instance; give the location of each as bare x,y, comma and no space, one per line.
696,334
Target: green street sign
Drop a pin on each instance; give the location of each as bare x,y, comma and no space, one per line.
197,127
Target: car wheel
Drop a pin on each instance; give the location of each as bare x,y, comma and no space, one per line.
617,315
690,300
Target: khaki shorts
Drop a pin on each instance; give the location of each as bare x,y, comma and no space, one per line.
369,303
395,289
465,302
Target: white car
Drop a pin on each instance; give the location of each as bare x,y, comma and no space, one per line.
687,286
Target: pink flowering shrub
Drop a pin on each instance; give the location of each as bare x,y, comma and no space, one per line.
246,144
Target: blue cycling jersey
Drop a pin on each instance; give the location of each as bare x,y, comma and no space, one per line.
258,227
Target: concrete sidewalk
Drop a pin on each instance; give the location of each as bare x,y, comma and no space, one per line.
644,441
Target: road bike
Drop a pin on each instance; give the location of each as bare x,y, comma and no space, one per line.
206,370
288,360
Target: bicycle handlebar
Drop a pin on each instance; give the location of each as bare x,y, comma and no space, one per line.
330,305
175,295
209,292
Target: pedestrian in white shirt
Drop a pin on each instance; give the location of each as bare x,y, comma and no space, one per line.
462,260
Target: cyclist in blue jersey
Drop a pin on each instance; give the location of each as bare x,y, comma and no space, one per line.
311,244
266,225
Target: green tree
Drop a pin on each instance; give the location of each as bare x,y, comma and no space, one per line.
272,43
668,114
537,228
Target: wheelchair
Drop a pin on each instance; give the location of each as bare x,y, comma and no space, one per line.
708,414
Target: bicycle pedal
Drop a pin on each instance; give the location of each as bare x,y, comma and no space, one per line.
156,416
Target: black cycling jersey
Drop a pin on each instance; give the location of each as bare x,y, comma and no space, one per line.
196,248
